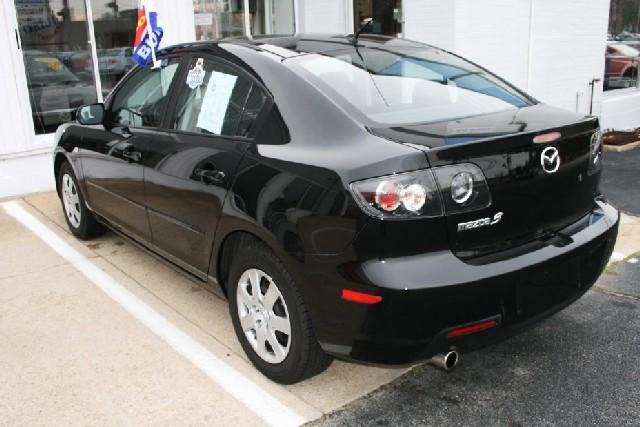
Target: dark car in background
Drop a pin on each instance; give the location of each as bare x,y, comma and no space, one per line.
55,92
371,198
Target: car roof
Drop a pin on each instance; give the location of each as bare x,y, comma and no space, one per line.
287,46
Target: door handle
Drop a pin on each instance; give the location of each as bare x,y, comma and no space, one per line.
131,155
210,176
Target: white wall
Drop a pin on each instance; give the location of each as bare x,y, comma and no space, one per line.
324,16
495,34
432,22
621,110
551,49
569,41
176,18
27,174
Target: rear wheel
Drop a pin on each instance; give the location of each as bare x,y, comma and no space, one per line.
270,318
79,219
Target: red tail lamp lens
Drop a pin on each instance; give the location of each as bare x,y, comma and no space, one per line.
360,297
472,328
388,195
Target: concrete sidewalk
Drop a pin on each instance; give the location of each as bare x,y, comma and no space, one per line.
73,356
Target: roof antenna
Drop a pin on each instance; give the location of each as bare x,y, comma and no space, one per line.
367,22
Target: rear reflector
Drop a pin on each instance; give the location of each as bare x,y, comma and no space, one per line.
547,137
360,297
472,328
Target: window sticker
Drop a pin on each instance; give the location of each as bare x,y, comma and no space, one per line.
216,101
195,76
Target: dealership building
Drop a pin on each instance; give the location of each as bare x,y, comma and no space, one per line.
580,55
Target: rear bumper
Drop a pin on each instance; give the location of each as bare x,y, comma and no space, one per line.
427,296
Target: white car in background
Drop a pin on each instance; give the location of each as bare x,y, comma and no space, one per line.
115,61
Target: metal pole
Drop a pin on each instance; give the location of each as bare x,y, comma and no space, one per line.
94,50
247,21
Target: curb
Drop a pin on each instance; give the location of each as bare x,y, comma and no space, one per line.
621,148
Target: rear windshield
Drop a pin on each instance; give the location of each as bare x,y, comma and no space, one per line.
402,86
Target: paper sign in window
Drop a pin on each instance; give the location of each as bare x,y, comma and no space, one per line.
216,101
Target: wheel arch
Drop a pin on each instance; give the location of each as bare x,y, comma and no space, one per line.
60,158
229,244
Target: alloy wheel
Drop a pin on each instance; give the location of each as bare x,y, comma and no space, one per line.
263,315
71,201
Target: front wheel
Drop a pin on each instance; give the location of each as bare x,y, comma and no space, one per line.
79,219
270,318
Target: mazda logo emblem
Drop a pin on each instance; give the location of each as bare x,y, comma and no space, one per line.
550,159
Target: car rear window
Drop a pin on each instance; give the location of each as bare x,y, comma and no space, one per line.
401,86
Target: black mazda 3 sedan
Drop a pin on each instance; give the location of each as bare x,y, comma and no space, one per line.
372,199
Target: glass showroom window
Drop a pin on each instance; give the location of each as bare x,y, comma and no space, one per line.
114,24
622,57
226,18
215,19
272,17
58,63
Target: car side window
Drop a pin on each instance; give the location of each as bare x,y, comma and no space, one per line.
141,101
217,99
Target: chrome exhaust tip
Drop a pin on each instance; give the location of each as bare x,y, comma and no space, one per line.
446,361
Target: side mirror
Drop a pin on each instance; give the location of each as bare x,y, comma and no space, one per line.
90,114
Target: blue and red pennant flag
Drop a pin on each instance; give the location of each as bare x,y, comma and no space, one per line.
148,34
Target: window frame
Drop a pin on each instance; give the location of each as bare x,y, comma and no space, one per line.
170,113
108,102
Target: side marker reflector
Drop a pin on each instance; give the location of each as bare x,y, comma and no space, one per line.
360,297
472,328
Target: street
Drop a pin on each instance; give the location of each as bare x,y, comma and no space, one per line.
620,178
580,367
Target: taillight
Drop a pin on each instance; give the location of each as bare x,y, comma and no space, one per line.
595,153
404,195
424,193
464,188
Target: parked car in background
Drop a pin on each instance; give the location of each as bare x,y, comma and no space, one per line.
373,199
115,61
55,92
621,65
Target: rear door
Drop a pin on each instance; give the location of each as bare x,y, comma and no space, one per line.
189,170
113,154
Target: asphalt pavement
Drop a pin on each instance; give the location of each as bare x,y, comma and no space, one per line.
621,179
580,367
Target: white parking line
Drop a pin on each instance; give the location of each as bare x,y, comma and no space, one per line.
616,256
265,406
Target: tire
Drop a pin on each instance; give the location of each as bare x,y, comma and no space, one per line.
80,220
294,357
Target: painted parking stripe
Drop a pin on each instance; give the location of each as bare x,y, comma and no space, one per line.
616,256
265,406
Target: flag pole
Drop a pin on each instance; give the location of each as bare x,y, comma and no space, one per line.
152,41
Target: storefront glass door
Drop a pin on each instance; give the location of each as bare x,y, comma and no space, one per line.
57,59
272,17
386,14
215,19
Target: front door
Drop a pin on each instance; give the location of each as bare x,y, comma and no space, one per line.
386,14
189,171
113,154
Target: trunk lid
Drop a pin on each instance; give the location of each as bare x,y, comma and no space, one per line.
534,203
